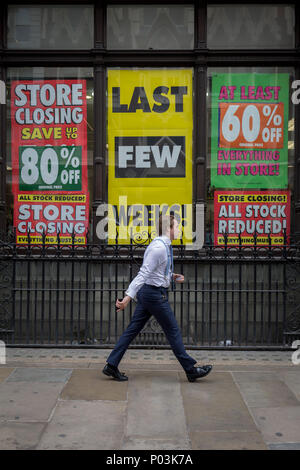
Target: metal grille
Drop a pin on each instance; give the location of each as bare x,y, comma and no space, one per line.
233,297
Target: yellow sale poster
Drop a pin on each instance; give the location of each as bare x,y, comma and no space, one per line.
150,126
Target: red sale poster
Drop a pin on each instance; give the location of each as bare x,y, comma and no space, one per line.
53,215
49,158
246,213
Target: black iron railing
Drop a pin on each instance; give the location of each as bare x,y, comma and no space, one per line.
233,296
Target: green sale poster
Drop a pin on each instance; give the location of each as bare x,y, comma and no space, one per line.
249,131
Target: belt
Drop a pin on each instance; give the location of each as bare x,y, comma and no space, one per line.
156,287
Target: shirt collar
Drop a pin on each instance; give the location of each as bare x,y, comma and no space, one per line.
166,239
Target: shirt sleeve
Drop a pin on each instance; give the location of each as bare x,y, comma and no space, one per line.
152,260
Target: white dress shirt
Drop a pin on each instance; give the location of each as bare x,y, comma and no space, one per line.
153,269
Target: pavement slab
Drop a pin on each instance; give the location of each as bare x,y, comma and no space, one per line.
258,376
292,380
91,384
227,440
278,425
20,436
287,446
42,375
214,403
4,373
84,425
264,389
155,408
26,401
49,364
156,444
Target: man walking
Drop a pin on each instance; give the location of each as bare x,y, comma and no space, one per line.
150,288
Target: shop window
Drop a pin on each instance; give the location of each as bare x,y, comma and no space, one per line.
250,26
50,135
250,165
50,27
150,27
150,147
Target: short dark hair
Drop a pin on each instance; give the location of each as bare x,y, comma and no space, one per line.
163,223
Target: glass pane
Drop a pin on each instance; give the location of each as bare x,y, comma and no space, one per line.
149,143
150,27
250,26
50,27
251,155
50,139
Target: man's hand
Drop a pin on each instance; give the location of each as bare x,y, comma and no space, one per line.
178,277
121,304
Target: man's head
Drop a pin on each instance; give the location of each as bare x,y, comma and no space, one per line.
168,225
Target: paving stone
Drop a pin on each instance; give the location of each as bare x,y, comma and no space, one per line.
39,374
257,376
91,384
71,364
240,367
83,425
214,403
278,424
263,390
287,446
33,355
4,373
23,401
155,444
155,408
216,407
20,436
227,440
292,380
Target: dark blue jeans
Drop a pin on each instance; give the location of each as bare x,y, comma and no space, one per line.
153,301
